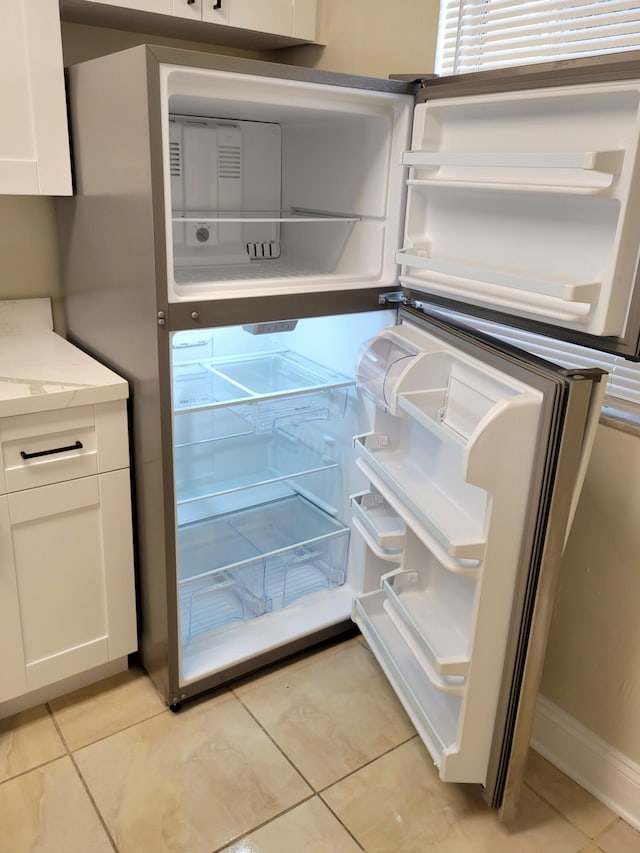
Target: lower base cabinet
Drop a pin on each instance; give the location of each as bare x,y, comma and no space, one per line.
67,601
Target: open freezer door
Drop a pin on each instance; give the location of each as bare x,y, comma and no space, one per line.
472,465
522,199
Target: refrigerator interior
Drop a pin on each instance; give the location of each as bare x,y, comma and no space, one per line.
264,417
334,466
277,185
522,202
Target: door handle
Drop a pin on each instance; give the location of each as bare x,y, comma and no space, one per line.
217,4
76,446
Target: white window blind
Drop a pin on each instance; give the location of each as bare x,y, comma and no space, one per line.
476,34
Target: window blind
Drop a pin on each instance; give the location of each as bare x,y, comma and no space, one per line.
476,34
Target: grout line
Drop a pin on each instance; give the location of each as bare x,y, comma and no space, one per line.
274,742
551,805
265,822
117,731
93,802
56,726
367,763
35,767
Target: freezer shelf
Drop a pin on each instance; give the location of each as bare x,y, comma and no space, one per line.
254,561
225,382
434,713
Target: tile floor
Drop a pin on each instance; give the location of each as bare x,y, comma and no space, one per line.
315,755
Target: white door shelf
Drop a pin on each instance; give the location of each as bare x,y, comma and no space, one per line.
375,514
599,161
460,531
435,607
583,294
434,713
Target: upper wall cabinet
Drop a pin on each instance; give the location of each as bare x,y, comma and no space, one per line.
34,143
259,24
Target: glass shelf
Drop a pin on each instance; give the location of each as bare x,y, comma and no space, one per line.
246,379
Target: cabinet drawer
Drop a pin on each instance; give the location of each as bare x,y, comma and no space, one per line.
50,447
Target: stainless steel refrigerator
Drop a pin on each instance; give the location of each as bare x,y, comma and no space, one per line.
267,254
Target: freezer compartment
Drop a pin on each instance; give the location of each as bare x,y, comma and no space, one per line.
522,202
274,183
241,565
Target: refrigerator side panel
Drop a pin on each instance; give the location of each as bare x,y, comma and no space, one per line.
109,269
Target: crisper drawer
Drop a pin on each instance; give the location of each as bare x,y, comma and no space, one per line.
50,447
244,564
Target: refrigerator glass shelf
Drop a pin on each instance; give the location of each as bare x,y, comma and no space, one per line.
438,617
264,376
272,554
438,725
235,464
292,215
460,533
582,294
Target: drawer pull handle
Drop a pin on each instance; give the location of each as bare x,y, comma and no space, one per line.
76,446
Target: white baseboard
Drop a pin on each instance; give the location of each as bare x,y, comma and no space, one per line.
612,777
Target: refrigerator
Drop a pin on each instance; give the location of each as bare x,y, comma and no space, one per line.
268,255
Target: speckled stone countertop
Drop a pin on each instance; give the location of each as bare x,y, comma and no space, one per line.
41,371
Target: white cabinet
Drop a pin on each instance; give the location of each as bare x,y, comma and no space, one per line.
67,597
34,143
66,570
249,23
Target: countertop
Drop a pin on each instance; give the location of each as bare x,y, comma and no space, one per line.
41,371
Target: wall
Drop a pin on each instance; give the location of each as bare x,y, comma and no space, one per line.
373,38
592,666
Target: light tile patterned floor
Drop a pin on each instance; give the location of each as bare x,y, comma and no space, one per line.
315,755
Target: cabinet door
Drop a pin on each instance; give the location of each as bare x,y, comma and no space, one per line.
273,17
161,7
217,11
72,550
13,681
34,144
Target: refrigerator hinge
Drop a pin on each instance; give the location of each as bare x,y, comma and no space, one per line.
396,297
